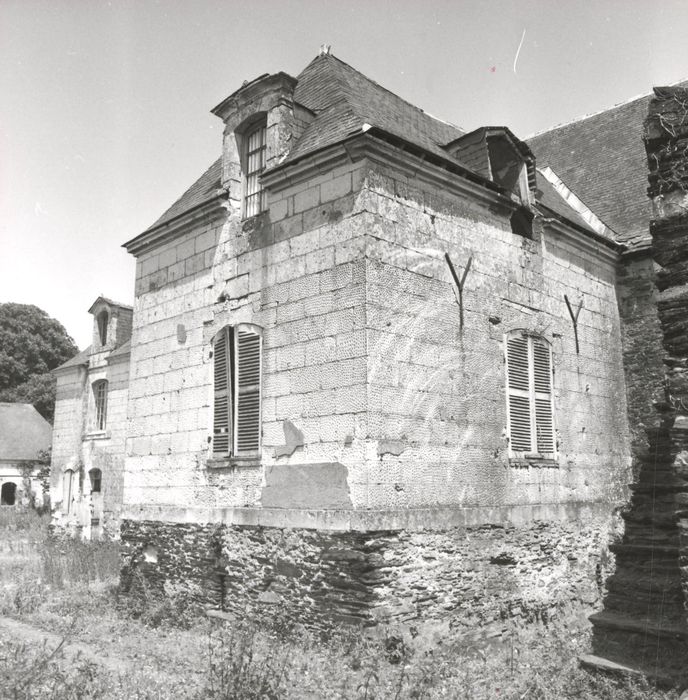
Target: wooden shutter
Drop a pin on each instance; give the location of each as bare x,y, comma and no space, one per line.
247,395
518,375
542,395
222,416
529,393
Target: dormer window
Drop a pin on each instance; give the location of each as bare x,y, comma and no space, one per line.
103,319
254,163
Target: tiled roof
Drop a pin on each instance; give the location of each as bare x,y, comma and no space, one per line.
344,100
204,189
601,158
23,432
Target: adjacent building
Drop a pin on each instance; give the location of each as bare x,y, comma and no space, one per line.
25,438
89,432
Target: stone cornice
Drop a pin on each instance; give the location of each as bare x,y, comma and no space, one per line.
207,211
593,243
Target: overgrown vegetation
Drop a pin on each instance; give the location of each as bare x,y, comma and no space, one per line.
159,650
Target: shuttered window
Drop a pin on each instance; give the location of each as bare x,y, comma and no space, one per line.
529,396
237,371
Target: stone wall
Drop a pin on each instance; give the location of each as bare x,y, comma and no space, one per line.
77,446
436,391
642,348
296,271
470,578
644,622
364,358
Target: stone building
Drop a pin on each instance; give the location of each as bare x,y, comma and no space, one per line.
376,369
25,438
90,426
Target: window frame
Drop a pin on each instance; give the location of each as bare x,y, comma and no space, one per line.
253,190
100,390
533,394
95,477
102,323
230,367
67,490
14,490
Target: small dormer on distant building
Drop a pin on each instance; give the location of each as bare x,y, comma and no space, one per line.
111,324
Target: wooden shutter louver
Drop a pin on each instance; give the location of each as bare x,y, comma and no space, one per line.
247,399
529,396
222,403
542,386
520,432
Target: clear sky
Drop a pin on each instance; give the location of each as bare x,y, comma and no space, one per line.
104,107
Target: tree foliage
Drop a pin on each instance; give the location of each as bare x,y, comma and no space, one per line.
31,344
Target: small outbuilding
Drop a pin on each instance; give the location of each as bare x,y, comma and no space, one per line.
25,438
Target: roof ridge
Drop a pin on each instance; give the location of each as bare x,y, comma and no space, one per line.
387,90
618,105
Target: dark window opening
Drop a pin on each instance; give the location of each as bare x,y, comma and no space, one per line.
255,158
8,494
96,476
522,222
103,319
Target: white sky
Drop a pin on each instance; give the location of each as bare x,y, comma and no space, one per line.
104,114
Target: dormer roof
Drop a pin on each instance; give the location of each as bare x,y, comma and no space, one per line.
109,302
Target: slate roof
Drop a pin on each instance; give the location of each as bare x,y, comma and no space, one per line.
550,198
203,190
601,158
78,359
23,432
343,101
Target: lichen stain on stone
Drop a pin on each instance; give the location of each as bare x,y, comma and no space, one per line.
391,447
293,439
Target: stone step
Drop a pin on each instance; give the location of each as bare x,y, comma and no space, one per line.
599,663
649,607
640,625
649,549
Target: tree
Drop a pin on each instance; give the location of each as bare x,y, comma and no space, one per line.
31,344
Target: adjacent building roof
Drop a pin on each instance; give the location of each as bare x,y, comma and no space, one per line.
601,158
23,432
80,359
